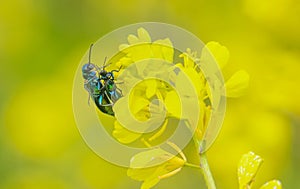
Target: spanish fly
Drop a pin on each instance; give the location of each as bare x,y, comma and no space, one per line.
100,85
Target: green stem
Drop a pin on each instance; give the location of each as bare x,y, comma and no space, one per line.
206,172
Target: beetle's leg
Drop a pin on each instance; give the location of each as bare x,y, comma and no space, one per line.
111,103
87,89
121,82
108,97
116,70
89,98
100,100
120,91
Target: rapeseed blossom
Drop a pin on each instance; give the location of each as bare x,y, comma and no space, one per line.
141,47
160,100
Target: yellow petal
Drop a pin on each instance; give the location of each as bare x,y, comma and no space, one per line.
127,115
132,39
124,135
152,175
187,86
141,174
159,132
156,50
151,87
122,47
140,52
213,50
188,58
144,35
274,184
163,48
149,183
173,104
247,169
137,103
237,84
150,158
196,80
124,62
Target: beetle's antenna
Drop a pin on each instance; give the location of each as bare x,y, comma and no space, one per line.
104,63
117,69
90,53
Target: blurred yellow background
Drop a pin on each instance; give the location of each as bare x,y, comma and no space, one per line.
42,42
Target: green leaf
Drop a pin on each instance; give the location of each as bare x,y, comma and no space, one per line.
247,169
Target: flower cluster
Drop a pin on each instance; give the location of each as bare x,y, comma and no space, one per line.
160,100
247,169
141,47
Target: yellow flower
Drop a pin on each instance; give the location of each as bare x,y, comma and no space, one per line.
143,112
238,83
153,165
140,47
247,169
